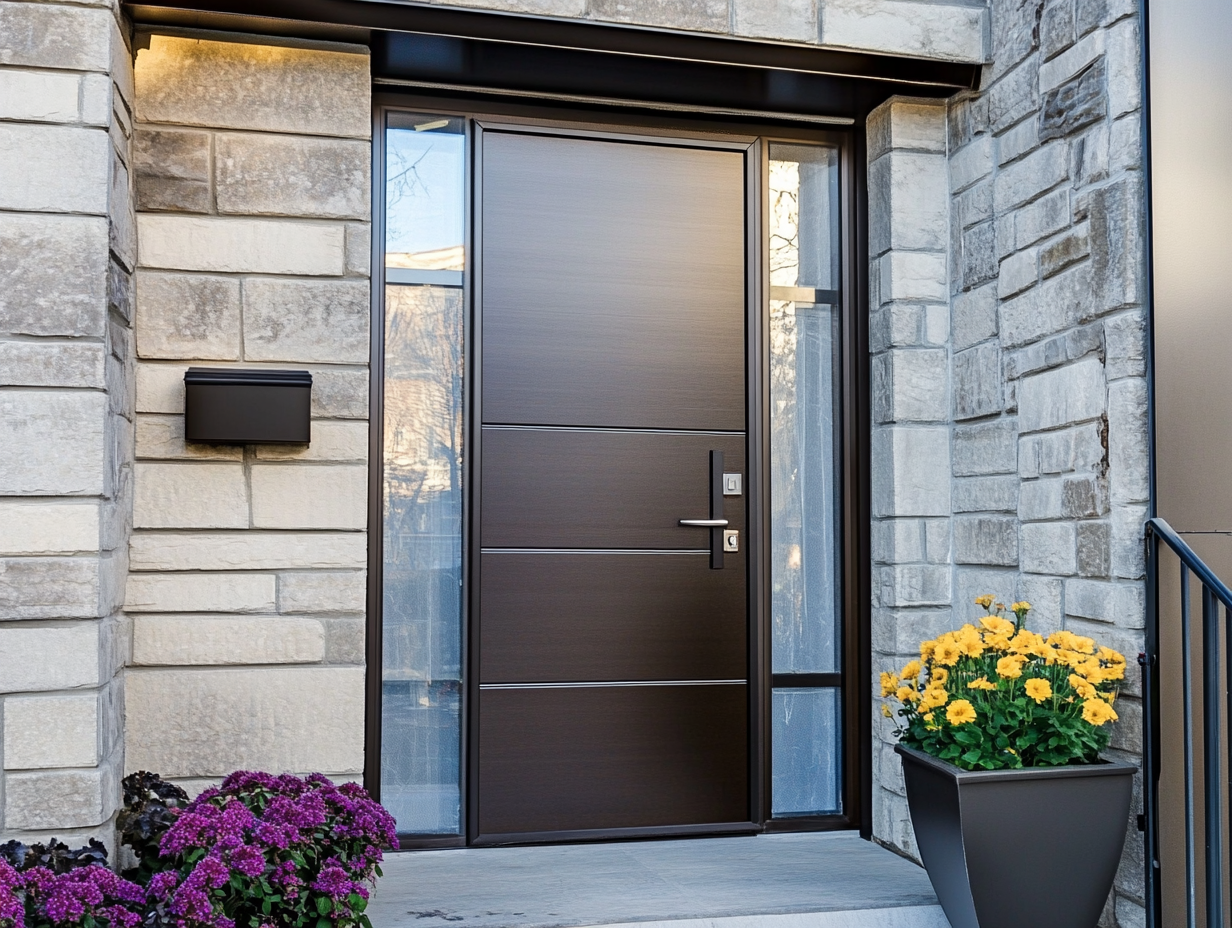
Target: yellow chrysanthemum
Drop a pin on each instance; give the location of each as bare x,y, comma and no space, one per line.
928,716
885,710
938,675
1111,656
986,600
906,694
926,650
1020,608
1026,642
889,683
960,712
947,654
981,683
997,642
1010,666
1097,712
997,625
933,697
1038,689
1083,688
911,671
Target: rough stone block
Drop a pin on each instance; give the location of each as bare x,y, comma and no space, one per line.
197,592
1018,141
323,592
986,494
973,317
1049,548
51,444
276,175
1124,57
1041,499
973,205
52,35
190,495
924,30
906,123
248,551
977,382
359,249
26,668
1077,103
162,437
49,588
235,245
51,364
914,276
318,496
1116,244
1046,216
48,527
899,633
991,540
1017,273
1067,250
198,641
39,96
979,255
172,169
1056,28
1015,96
345,641
187,316
341,442
160,388
60,799
1073,450
1083,497
50,731
1035,174
54,270
1125,341
911,472
914,585
910,386
689,15
1094,549
207,723
340,394
1063,396
909,203
1045,595
897,541
776,19
55,169
971,163
1128,557
234,85
988,448
295,320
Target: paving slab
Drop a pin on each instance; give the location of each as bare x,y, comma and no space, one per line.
827,880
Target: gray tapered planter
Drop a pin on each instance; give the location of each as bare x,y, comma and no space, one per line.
1019,848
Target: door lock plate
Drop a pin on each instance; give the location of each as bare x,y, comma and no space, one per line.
731,540
733,484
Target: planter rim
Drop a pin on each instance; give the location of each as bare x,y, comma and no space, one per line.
1105,768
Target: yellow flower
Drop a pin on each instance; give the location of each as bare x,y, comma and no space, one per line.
1021,608
1097,712
1038,689
939,675
1081,686
926,649
906,694
947,654
1026,642
1111,656
885,710
960,712
997,642
986,600
933,697
1010,666
911,671
1083,645
981,683
997,625
928,716
889,683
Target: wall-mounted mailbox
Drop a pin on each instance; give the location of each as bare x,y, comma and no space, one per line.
236,406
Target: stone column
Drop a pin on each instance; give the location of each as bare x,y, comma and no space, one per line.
66,255
247,590
908,337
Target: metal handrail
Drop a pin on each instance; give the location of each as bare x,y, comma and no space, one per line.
1214,591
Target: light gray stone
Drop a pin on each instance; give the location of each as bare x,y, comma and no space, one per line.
160,388
50,731
897,541
340,394
1057,28
1077,59
334,442
174,640
1125,338
278,175
24,667
295,320
899,633
1041,499
248,550
1094,549
200,592
1045,595
1128,446
316,497
925,30
971,163
187,316
49,588
190,495
986,494
974,317
906,123
909,386
359,249
1017,273
239,245
48,527
172,169
39,96
914,585
915,276
690,15
51,444
1049,548
1015,96
1061,253
776,19
979,255
58,799
322,592
344,641
235,85
1116,244
1018,141
1075,104
162,437
911,472
1063,396
973,205
991,540
54,270
1035,174
977,382
53,35
914,213
1046,216
988,448
51,364
242,719
569,8
55,169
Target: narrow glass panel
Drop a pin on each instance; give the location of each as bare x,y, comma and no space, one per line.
423,455
804,342
806,753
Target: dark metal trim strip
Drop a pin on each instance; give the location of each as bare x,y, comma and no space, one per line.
795,681
616,834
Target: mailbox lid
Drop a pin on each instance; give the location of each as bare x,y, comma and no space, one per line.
246,406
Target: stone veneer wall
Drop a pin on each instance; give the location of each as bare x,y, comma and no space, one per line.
66,256
1010,438
247,588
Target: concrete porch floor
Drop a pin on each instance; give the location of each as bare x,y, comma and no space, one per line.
829,880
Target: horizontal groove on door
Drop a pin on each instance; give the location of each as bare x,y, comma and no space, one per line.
500,426
630,617
588,685
685,551
542,489
612,757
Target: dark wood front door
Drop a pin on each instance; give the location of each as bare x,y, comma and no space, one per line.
612,649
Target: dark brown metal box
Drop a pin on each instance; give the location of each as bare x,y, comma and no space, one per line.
242,406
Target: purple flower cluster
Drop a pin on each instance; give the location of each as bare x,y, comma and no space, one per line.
296,845
87,895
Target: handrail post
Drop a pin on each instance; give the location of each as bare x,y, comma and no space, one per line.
1191,869
1150,736
1212,759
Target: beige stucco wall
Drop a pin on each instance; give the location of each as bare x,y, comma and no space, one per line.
246,589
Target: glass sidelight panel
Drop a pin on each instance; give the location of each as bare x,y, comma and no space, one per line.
423,457
806,645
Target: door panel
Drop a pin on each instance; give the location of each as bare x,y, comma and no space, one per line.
579,489
611,617
613,282
612,757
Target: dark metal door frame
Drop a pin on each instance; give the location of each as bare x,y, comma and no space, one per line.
658,129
